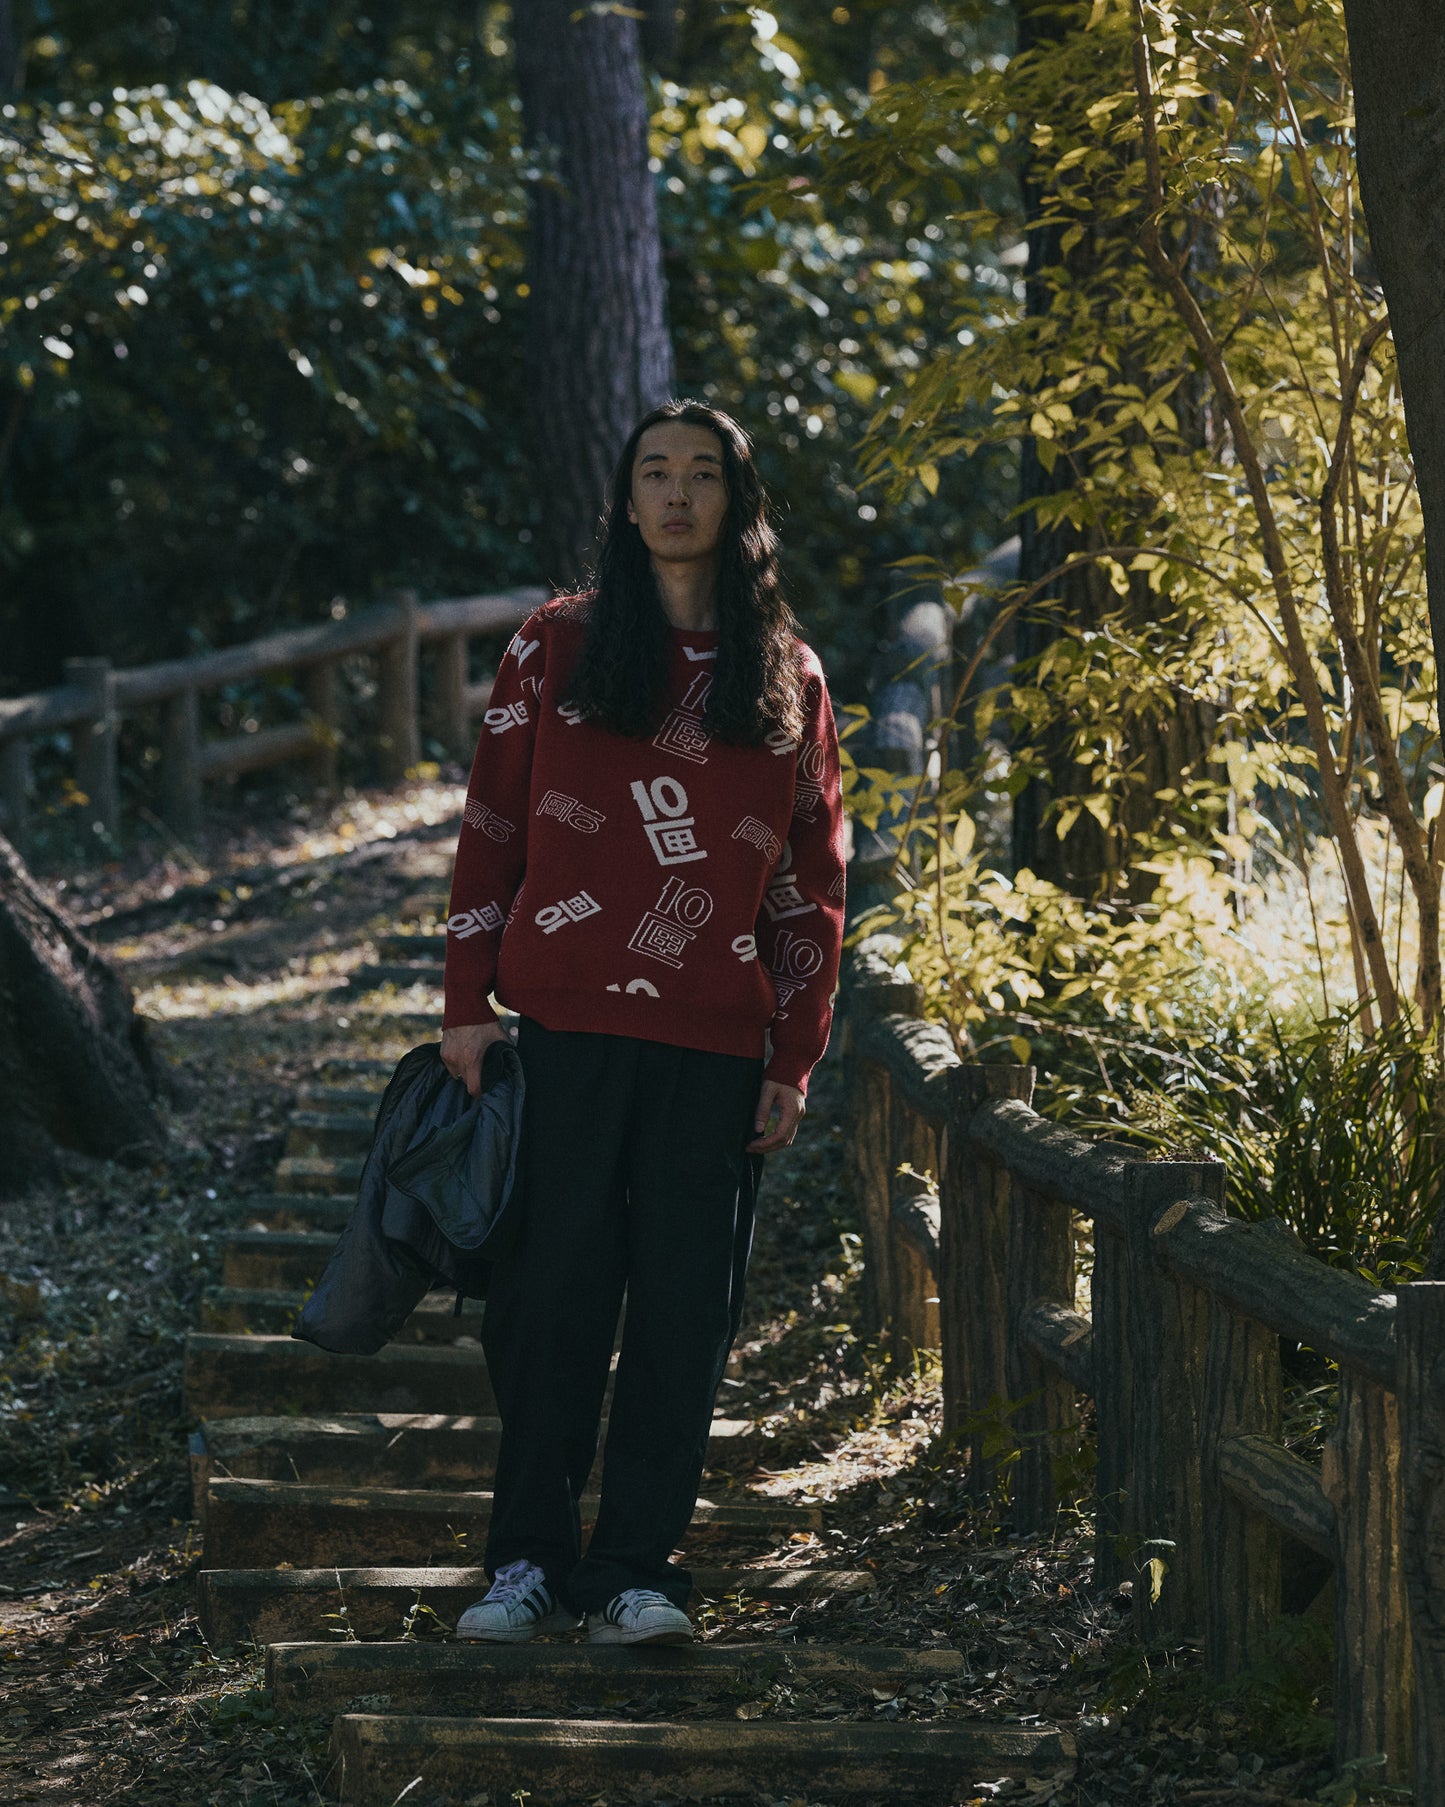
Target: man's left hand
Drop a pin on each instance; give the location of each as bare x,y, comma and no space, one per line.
788,1103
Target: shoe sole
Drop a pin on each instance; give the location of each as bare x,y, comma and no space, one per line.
614,1635
522,1635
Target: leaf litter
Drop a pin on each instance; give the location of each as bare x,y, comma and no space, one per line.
239,952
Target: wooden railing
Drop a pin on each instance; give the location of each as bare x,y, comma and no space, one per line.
972,1250
94,698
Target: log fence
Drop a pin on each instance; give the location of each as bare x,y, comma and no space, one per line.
94,698
971,1204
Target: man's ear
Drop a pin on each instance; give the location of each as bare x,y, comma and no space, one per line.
631,512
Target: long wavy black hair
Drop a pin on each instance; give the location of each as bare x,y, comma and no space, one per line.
621,673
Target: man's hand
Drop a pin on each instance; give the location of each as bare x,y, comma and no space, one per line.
464,1048
787,1101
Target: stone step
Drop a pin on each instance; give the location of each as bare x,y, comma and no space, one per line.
377,1756
291,1211
237,1376
269,1260
402,974
413,1676
382,1449
249,1524
313,1134
257,1311
319,1173
412,948
270,1605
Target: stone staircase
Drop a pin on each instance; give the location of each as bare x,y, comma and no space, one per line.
344,1504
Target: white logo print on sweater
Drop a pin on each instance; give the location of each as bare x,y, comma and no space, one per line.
668,929
472,922
795,960
567,809
682,733
571,909
509,715
808,784
758,834
670,830
782,897
477,814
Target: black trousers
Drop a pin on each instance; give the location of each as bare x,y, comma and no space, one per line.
635,1179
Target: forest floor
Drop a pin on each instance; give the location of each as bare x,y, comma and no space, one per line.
238,952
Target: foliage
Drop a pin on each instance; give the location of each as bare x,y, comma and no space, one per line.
224,380
319,396
1207,379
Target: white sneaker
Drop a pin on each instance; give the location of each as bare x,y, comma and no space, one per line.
639,1615
518,1605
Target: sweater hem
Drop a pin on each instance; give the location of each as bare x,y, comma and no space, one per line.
649,1019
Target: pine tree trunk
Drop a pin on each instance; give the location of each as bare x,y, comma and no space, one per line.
1397,59
75,1066
599,355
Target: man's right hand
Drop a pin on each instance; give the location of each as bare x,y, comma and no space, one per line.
464,1048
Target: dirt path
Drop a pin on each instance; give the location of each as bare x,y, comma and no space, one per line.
108,1689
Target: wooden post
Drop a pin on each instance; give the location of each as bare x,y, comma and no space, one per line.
1362,1479
876,988
973,1255
1167,1336
914,1311
15,790
912,1142
94,740
321,690
451,721
1114,1503
400,740
1243,1392
1421,1393
1040,1267
873,1179
181,763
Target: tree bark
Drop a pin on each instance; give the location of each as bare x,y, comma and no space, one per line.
1396,53
598,349
75,1066
1399,84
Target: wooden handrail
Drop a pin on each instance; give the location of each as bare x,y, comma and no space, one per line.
96,697
1181,1355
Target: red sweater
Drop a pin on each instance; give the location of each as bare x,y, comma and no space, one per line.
674,888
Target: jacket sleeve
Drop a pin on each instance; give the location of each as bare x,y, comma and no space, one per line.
800,927
492,846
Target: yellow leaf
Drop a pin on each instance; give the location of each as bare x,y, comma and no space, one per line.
963,836
928,477
1434,798
1158,1569
1021,1049
862,385
753,137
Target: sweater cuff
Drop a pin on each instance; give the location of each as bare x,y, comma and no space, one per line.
784,1070
460,1011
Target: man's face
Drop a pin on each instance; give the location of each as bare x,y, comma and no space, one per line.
679,499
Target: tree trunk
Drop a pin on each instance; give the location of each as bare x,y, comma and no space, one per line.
1397,57
1399,83
75,1065
9,49
598,349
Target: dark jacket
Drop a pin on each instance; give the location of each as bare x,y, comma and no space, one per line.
432,1207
